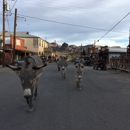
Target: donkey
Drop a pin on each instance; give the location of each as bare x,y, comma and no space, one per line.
29,74
62,64
79,67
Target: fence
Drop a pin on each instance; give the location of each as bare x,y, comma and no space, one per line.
120,63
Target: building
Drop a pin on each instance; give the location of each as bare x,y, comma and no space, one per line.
34,44
117,51
106,52
20,50
25,44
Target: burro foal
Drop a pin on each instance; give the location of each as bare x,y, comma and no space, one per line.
79,67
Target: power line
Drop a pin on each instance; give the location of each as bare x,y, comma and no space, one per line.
73,8
67,23
8,22
114,26
13,6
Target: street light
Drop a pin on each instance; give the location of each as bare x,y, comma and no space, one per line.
95,41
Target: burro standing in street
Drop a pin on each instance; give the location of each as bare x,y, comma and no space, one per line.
79,67
63,63
29,74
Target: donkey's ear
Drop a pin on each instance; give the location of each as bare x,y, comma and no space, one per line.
16,69
38,67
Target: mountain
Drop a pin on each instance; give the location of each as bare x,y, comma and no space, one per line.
54,44
65,47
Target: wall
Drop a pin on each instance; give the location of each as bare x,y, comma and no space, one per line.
19,43
40,47
29,44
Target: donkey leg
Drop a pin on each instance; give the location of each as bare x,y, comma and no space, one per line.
30,105
77,83
35,93
64,74
61,74
32,92
80,83
27,101
30,101
35,87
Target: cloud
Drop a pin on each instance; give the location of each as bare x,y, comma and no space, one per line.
74,21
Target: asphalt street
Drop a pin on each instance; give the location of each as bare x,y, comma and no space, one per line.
103,103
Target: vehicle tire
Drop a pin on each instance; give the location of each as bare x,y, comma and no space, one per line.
105,68
96,67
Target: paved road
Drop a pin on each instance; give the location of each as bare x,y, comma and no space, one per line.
103,103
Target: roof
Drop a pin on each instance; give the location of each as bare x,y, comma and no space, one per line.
114,49
19,34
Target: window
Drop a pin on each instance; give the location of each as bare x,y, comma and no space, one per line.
35,42
18,42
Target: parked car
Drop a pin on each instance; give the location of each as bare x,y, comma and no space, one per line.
18,62
100,64
87,61
77,60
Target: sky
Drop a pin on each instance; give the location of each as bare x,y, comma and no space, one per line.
75,22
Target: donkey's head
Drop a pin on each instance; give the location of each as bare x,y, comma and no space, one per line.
27,74
79,65
79,70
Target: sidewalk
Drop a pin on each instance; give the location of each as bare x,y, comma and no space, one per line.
3,68
108,66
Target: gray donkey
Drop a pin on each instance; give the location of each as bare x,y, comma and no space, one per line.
29,74
79,67
63,63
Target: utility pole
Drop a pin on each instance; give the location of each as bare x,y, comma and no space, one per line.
4,14
128,48
81,50
14,38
